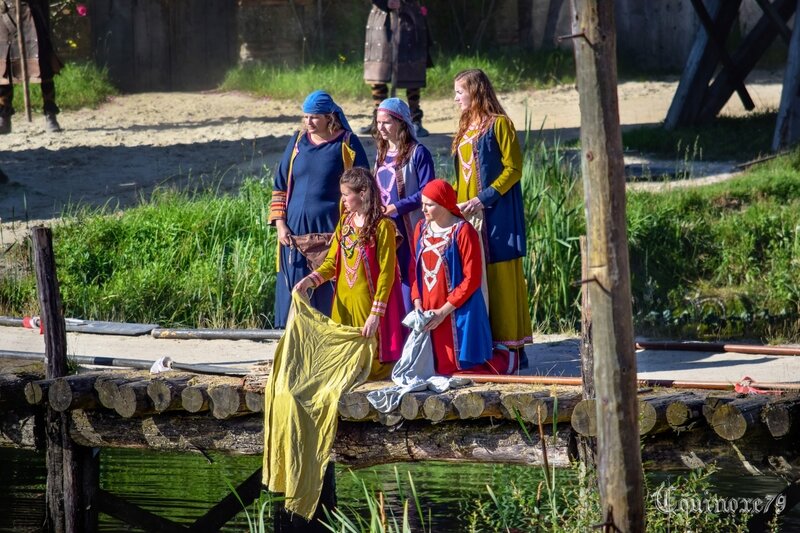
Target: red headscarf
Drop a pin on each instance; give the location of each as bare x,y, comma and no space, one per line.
443,194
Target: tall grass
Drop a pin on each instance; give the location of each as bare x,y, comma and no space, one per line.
712,261
78,85
554,213
194,259
722,259
345,78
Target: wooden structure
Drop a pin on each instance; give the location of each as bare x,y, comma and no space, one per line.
712,74
179,411
164,45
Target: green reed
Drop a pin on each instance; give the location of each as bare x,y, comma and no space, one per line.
199,259
554,214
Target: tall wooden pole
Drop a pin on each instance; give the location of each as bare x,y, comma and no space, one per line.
63,493
619,461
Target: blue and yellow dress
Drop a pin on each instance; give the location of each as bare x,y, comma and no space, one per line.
489,165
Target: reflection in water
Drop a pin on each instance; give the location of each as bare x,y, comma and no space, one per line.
182,487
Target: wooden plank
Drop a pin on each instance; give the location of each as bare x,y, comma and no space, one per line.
700,67
99,327
745,58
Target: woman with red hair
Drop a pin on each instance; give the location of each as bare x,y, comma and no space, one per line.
488,163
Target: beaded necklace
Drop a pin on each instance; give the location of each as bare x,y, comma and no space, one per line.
390,169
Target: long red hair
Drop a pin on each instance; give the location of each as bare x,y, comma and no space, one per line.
483,102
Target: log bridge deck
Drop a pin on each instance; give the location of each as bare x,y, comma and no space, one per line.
480,423
490,422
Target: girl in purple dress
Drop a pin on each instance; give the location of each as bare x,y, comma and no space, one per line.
403,167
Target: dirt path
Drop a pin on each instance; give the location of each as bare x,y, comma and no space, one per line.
136,142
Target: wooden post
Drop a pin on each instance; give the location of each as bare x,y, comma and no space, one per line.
787,126
620,473
64,490
587,356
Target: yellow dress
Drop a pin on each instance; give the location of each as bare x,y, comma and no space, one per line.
356,295
316,361
509,313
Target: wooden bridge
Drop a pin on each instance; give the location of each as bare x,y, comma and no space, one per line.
483,422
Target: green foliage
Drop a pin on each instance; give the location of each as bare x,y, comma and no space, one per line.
711,261
719,260
344,78
346,519
193,259
574,505
554,213
726,138
78,85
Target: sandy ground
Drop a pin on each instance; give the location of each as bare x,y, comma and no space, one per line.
133,143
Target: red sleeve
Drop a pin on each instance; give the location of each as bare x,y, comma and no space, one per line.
415,295
469,247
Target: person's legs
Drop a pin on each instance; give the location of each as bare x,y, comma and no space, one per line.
49,106
413,95
6,108
380,92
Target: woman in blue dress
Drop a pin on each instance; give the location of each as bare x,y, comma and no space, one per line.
305,194
403,167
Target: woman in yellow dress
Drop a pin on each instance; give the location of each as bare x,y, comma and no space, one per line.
488,163
363,260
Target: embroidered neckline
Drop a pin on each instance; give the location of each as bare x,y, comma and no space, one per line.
430,276
349,244
467,165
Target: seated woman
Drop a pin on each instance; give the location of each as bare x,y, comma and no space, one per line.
448,268
363,259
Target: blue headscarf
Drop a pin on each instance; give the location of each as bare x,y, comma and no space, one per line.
321,103
399,110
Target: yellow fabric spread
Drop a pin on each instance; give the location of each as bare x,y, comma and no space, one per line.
315,362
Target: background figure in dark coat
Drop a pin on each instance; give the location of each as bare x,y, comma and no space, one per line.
397,55
41,60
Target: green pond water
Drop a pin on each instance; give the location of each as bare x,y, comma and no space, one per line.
182,487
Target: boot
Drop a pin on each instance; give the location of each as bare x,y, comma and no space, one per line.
372,127
5,124
51,125
419,130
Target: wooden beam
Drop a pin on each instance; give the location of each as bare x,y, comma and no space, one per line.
700,67
719,38
745,58
63,478
619,465
787,125
134,515
774,16
246,493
